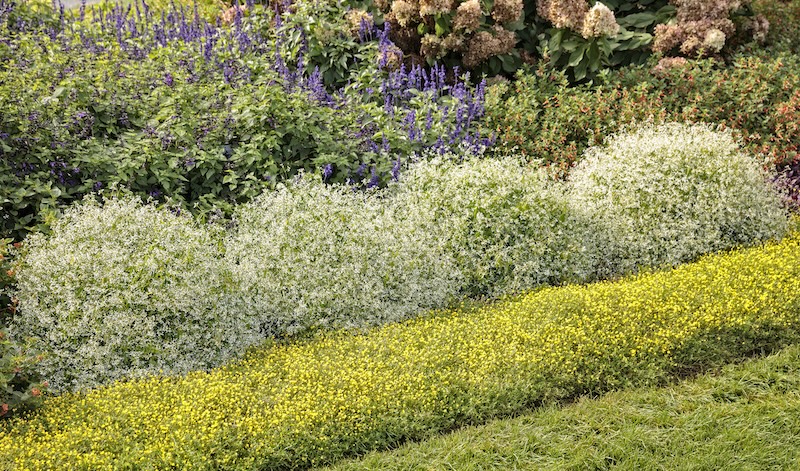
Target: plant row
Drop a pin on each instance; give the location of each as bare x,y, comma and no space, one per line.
123,289
294,405
745,416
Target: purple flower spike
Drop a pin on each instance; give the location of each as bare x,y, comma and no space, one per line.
327,171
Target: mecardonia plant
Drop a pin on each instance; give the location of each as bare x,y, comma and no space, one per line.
295,405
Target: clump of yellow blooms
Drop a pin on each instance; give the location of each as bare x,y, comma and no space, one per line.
310,402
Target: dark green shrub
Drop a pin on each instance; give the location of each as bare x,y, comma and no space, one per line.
756,97
21,386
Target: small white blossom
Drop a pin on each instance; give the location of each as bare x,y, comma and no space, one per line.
599,21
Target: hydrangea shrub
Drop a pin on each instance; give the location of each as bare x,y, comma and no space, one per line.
121,289
311,255
668,193
508,224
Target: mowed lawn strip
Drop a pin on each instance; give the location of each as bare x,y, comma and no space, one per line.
746,417
312,402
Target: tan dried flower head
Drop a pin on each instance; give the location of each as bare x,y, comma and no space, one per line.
454,42
564,13
434,7
599,21
404,12
507,11
468,16
391,58
691,46
355,18
229,15
485,45
758,27
382,5
431,47
667,37
666,64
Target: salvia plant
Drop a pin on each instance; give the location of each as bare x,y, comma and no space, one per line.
168,104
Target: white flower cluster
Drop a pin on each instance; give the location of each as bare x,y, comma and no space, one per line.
599,21
508,224
122,290
312,255
663,195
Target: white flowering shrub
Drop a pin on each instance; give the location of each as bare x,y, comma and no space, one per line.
309,255
666,194
507,224
122,289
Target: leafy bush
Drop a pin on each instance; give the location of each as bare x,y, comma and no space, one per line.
121,289
508,226
304,404
21,387
755,97
310,255
666,194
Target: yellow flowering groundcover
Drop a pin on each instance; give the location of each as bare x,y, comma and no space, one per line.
302,403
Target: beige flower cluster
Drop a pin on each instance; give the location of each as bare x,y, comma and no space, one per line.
507,11
486,44
476,33
405,12
434,7
703,27
355,19
468,16
564,13
598,22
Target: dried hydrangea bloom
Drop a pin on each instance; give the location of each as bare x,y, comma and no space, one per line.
454,42
507,11
391,58
356,19
693,32
229,15
434,7
666,64
485,45
431,47
382,5
667,38
758,27
468,16
564,13
599,21
714,40
404,12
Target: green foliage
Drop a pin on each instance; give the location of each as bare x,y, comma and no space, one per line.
746,414
21,386
540,117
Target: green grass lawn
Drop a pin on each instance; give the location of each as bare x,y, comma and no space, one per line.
746,417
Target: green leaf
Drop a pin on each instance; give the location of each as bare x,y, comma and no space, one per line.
576,56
